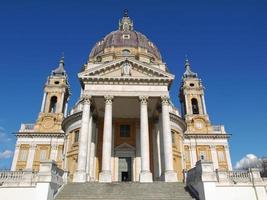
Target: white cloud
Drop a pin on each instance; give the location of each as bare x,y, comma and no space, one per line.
249,161
6,154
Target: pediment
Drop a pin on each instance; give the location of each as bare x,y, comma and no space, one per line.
124,147
126,68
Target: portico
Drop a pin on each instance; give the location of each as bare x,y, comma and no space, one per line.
136,114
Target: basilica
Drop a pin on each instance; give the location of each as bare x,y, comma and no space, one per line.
124,127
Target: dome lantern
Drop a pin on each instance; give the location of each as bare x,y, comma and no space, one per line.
126,24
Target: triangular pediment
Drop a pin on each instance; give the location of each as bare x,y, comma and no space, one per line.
124,147
126,68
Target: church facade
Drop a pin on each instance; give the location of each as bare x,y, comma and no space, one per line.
124,127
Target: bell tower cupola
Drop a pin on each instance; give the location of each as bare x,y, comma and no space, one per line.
192,95
55,101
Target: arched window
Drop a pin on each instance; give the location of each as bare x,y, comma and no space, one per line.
53,104
125,52
195,108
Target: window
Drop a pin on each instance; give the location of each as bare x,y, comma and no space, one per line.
125,52
202,155
192,84
125,130
126,36
221,157
173,137
76,136
194,103
42,155
23,155
53,104
98,59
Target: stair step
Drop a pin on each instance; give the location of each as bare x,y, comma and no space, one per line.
129,191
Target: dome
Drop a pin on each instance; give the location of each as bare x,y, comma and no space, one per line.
125,36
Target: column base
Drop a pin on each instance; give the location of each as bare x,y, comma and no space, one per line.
170,176
105,177
145,177
79,177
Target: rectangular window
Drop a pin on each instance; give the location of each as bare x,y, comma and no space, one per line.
42,155
76,136
125,130
221,156
23,155
202,155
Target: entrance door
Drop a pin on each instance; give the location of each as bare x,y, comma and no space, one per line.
125,169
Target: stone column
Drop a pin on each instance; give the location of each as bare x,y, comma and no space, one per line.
53,155
204,104
43,102
80,174
228,157
89,147
92,153
145,175
30,157
193,155
66,110
15,158
170,175
214,156
105,175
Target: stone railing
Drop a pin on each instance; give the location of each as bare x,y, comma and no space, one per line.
218,128
208,183
236,176
18,178
49,172
26,128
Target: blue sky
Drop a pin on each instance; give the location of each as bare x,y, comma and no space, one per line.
225,41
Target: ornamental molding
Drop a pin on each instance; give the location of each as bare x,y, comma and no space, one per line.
143,99
165,100
108,99
153,73
207,136
39,135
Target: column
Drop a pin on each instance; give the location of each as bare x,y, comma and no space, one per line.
43,102
80,174
138,153
66,110
15,158
214,156
53,155
30,157
193,155
105,175
170,175
145,175
204,104
92,153
228,157
89,147
156,151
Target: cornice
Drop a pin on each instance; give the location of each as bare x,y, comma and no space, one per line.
201,135
71,119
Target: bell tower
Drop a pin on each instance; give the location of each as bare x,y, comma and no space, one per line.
192,100
55,100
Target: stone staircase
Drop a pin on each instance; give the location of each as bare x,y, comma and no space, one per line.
129,191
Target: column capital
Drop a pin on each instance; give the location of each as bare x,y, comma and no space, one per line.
143,99
33,146
165,100
54,146
86,99
108,99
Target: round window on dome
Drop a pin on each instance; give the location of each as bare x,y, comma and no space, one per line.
126,52
98,59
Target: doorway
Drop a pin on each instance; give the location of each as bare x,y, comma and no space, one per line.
125,169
